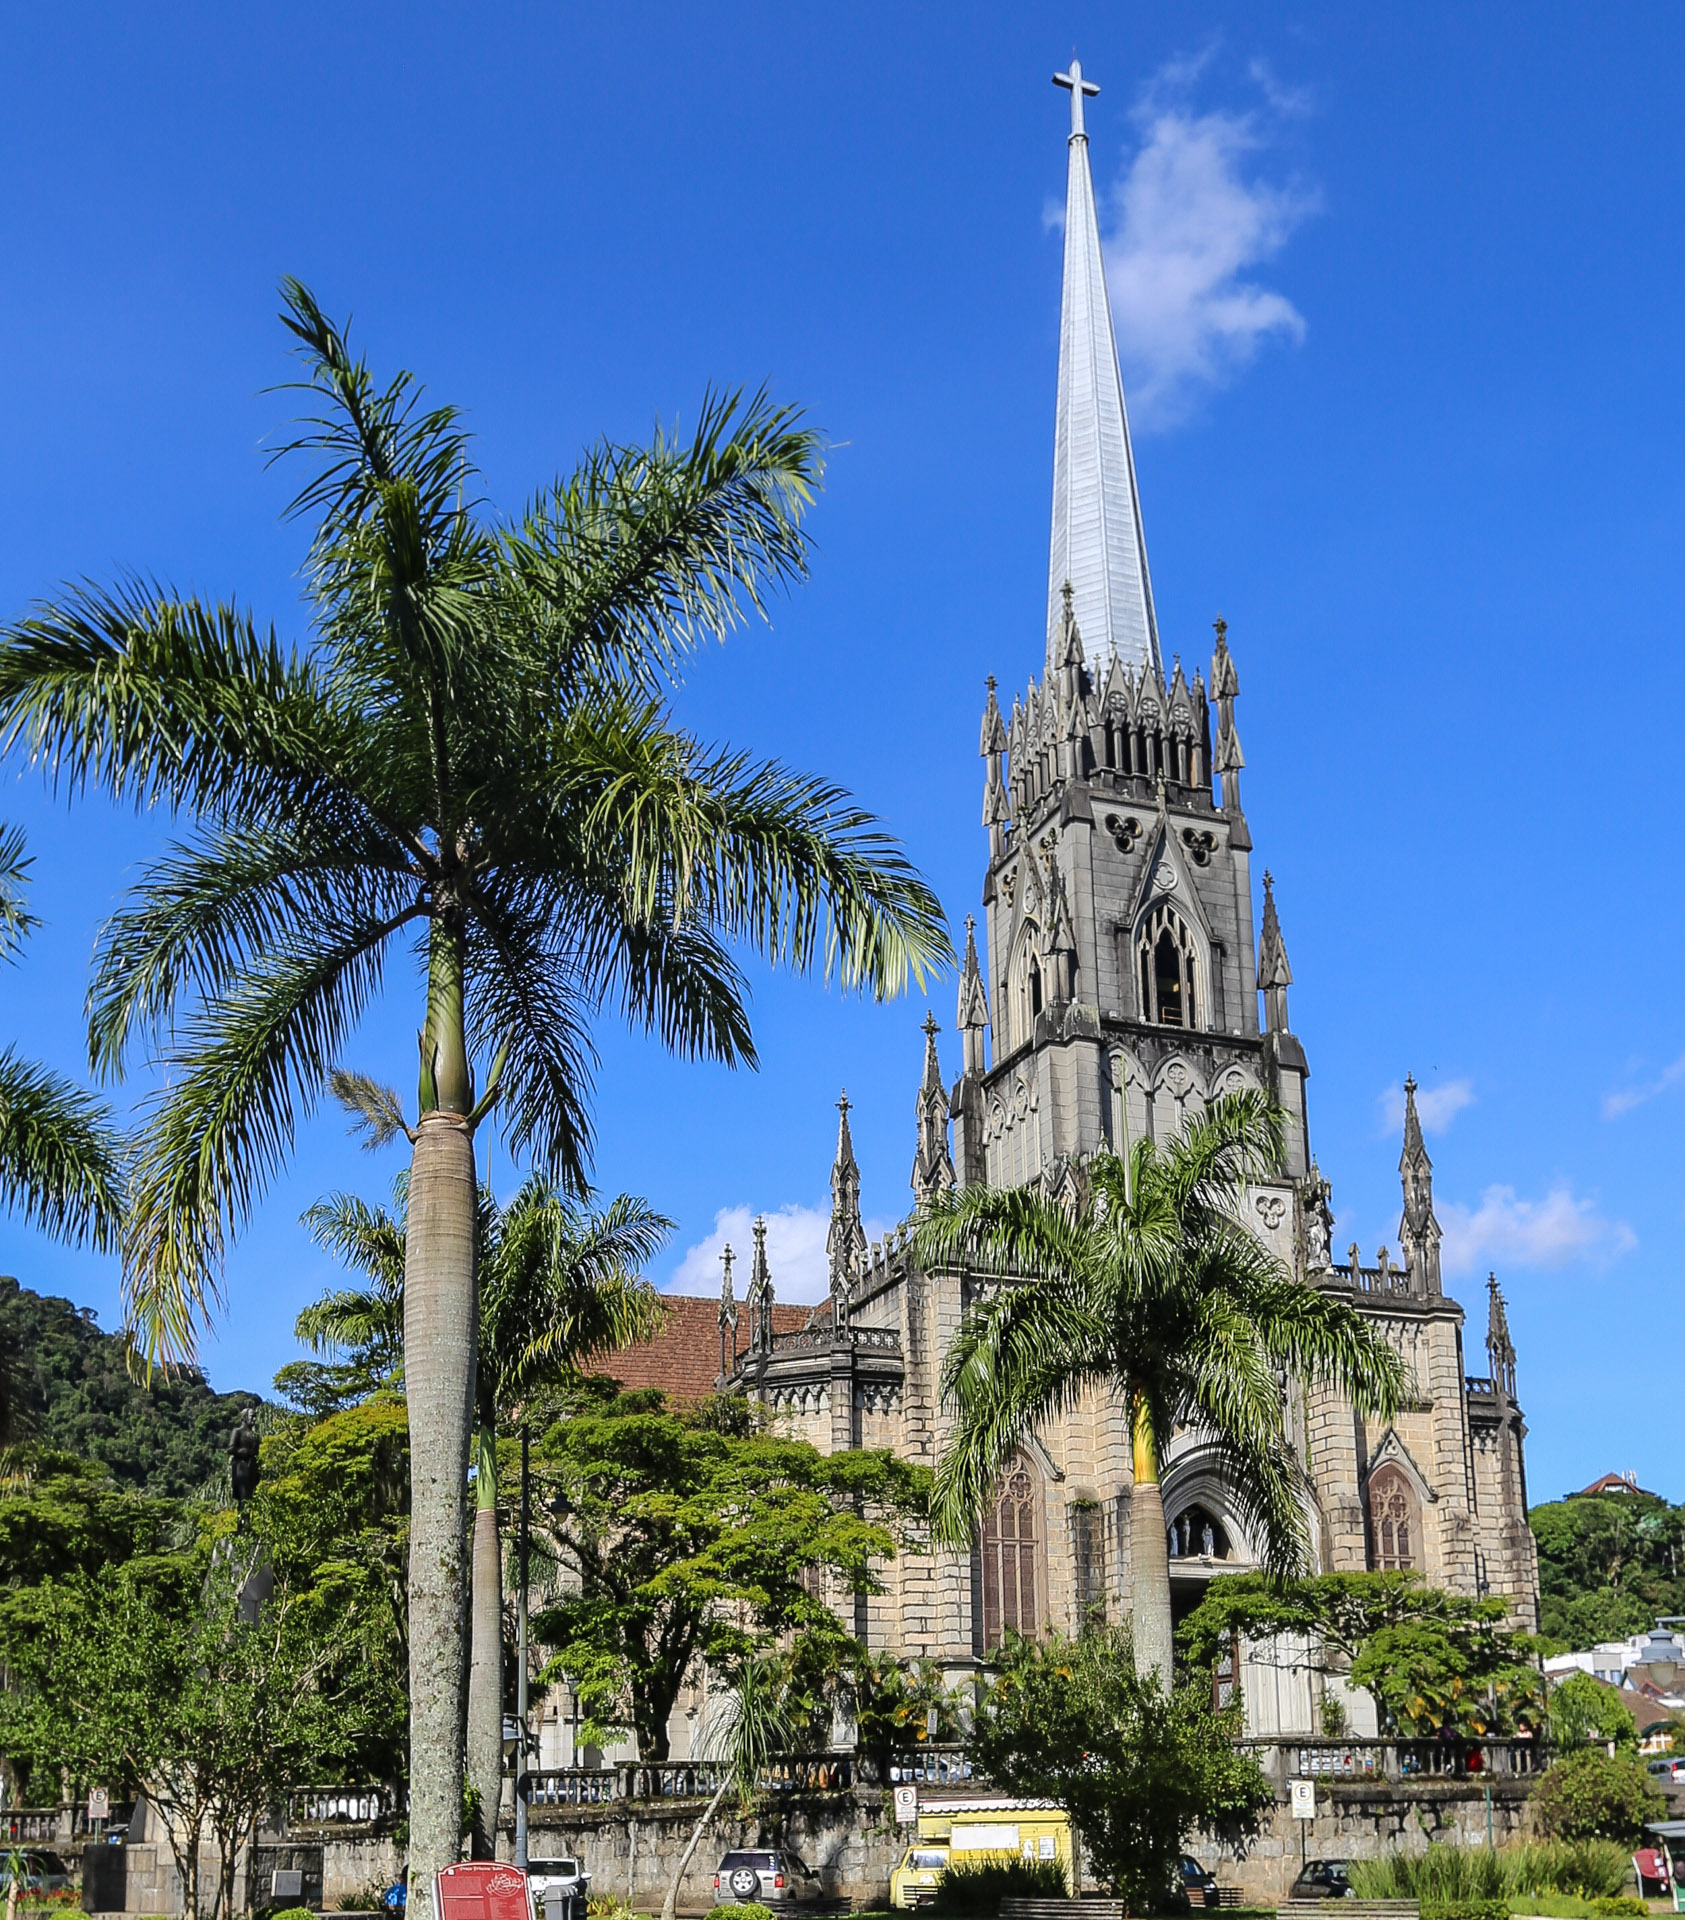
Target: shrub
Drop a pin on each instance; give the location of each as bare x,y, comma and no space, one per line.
1582,1708
293,1913
1585,1869
1443,1876
1613,1904
1591,1796
744,1910
1465,1910
981,1888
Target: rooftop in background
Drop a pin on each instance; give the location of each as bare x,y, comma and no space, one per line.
1613,1483
683,1359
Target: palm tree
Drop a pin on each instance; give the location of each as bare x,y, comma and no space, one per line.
1152,1288
60,1166
754,1718
558,1283
473,755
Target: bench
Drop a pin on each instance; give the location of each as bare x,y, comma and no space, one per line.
1011,1909
1349,1910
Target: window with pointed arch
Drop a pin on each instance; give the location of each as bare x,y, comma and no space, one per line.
1395,1522
1027,994
1011,1538
1168,958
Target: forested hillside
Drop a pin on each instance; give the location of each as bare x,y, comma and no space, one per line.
72,1391
1609,1564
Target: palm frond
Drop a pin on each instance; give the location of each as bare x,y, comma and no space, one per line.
16,922
60,1159
376,1111
205,914
249,1066
643,553
366,1238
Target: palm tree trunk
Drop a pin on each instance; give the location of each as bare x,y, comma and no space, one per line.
439,1345
1149,1558
485,1670
670,1905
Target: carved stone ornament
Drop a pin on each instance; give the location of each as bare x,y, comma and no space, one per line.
1125,831
1177,1078
1272,1209
1199,842
1164,876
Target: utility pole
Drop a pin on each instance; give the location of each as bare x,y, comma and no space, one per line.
521,1673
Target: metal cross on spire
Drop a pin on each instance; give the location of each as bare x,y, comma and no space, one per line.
1076,86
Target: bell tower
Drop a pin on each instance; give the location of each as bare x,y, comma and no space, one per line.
1121,963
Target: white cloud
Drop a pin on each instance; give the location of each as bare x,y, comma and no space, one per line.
1436,1107
1626,1098
1508,1231
1192,222
795,1252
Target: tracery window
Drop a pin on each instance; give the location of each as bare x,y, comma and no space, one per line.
1395,1522
1009,1557
1088,1537
1169,967
1026,993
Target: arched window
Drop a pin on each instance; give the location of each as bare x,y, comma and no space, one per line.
1395,1522
1197,1534
1009,1557
1027,996
1169,968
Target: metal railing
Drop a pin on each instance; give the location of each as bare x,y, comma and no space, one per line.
43,1825
359,1806
934,1765
682,1779
1408,1759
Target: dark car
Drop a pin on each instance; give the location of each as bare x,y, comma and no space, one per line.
43,1872
1321,1880
1196,1885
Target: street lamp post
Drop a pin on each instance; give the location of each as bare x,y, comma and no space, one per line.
521,1672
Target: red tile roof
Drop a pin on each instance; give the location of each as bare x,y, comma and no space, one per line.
683,1359
1614,1483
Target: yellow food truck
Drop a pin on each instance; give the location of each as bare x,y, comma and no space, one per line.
955,1832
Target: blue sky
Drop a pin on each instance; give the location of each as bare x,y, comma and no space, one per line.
1398,295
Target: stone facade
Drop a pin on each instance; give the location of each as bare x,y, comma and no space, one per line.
1116,990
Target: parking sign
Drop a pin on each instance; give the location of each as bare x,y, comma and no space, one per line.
906,1805
1304,1799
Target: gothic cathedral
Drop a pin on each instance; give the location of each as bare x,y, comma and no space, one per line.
1116,989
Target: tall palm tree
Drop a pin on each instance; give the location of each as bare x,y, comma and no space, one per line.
60,1166
558,1283
472,755
1151,1288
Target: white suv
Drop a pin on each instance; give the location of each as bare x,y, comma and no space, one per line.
560,1887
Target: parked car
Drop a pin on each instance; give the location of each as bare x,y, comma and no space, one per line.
1321,1880
1198,1886
43,1871
771,1876
1670,1767
560,1886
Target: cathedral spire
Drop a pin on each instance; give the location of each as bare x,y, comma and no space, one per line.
846,1239
1275,976
933,1164
1500,1349
760,1294
972,1016
728,1317
1098,543
1418,1230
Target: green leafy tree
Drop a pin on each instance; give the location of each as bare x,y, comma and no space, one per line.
163,1436
1609,1564
1137,1765
71,1518
60,1165
1428,1658
333,1513
557,1283
472,757
1584,1708
1150,1287
158,1678
695,1535
1593,1795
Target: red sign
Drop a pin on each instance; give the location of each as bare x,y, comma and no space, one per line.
482,1890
